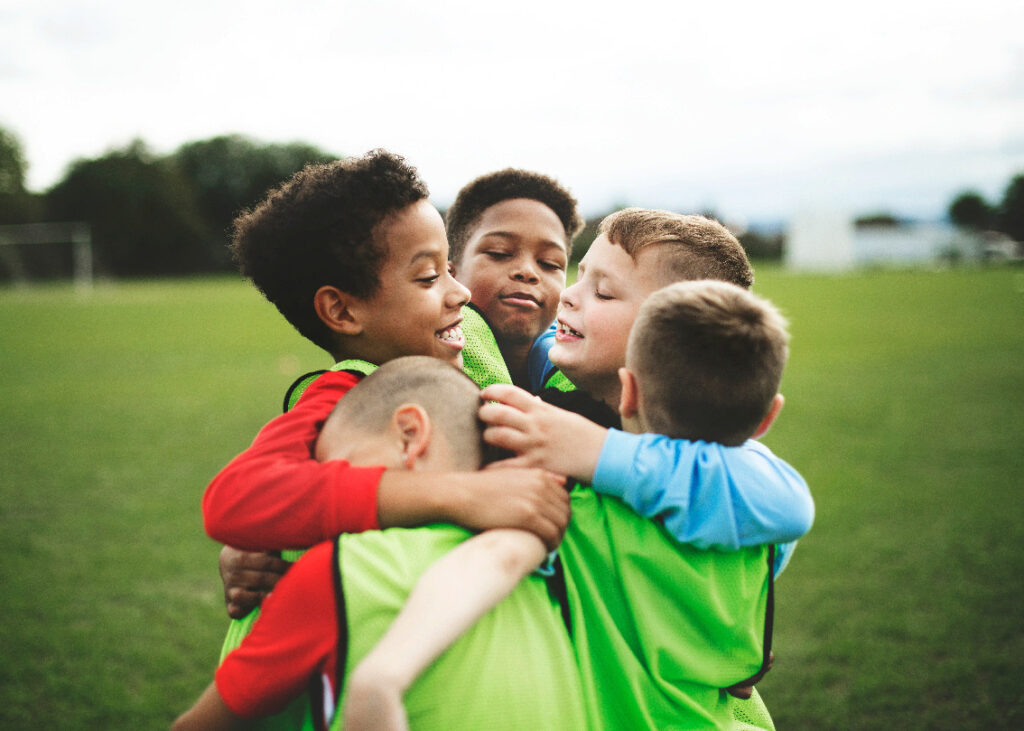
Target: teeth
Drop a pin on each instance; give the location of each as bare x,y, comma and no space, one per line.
453,334
562,327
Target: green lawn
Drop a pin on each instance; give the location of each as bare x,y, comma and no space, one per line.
901,609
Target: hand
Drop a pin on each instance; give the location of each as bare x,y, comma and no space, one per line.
373,705
540,434
503,497
248,576
745,688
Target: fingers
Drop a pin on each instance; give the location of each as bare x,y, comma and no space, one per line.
510,395
503,415
511,439
242,601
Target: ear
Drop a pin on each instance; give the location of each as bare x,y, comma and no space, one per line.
629,401
769,419
411,424
338,310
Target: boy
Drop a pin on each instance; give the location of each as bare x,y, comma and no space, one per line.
355,257
514,670
511,235
614,647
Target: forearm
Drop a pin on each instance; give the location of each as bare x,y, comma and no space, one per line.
447,600
707,494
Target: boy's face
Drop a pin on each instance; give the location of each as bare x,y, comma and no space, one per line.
417,309
596,313
514,265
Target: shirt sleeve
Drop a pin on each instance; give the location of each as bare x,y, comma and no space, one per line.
707,494
294,639
276,495
538,366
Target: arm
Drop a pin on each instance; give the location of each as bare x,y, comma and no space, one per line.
275,495
447,600
706,494
210,713
294,639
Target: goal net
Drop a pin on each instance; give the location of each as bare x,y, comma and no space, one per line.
23,252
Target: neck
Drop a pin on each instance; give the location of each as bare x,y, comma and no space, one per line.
606,391
516,357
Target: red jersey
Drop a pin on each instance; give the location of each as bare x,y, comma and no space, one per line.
275,495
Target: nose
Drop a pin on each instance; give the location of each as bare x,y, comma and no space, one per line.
524,270
457,294
568,297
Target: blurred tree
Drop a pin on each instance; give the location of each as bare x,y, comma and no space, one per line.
17,205
970,210
1010,216
142,212
231,173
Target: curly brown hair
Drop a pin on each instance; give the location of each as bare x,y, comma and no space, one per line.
318,229
480,194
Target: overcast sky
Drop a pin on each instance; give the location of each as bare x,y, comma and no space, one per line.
753,109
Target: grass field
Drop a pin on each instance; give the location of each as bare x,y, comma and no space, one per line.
902,608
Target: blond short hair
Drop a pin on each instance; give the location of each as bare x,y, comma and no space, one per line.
690,247
708,357
448,395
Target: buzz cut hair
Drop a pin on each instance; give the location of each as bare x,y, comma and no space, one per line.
708,357
487,190
448,395
689,246
321,227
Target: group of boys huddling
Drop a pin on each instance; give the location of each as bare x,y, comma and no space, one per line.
437,592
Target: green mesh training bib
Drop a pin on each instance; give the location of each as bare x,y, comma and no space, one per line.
676,623
513,670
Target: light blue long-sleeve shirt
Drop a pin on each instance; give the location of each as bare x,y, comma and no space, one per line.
706,494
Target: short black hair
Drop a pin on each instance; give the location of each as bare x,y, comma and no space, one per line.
317,229
480,194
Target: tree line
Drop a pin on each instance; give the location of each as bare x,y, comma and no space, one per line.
149,214
153,214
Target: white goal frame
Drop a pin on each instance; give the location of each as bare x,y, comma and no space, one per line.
78,234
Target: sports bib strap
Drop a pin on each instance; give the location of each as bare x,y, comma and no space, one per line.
354,365
358,367
300,384
560,381
481,358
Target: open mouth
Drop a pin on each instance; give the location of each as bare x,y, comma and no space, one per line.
566,331
452,335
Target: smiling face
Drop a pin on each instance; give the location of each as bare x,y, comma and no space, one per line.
514,265
417,308
596,313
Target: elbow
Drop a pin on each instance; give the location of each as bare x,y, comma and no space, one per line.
513,552
800,517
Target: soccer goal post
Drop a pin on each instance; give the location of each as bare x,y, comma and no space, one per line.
77,234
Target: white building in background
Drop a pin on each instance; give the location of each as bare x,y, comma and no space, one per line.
820,240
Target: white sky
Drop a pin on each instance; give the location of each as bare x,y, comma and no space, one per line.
752,108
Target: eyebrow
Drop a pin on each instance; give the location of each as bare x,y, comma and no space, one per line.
512,235
433,254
